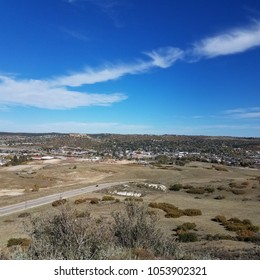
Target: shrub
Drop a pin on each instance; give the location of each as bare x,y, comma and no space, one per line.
186,226
174,214
220,197
35,188
192,212
221,188
238,192
245,230
196,190
188,237
94,200
219,168
8,221
64,237
187,187
219,237
108,198
81,200
171,210
175,187
59,202
23,242
135,228
24,215
82,214
134,199
143,254
209,189
220,219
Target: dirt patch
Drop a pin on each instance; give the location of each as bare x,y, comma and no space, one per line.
13,192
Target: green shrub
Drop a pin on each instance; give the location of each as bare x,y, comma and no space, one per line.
188,237
108,198
175,187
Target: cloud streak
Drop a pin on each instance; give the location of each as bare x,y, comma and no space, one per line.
61,92
243,113
231,42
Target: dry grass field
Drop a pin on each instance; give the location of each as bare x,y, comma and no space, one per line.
231,192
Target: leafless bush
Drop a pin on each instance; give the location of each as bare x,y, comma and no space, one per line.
135,228
64,236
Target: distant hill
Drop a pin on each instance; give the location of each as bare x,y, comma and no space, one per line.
29,134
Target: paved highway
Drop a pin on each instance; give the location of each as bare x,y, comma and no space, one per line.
50,198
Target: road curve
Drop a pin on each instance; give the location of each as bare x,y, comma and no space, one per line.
10,209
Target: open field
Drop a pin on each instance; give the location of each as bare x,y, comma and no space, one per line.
230,192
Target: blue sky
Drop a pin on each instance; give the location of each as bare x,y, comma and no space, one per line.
130,66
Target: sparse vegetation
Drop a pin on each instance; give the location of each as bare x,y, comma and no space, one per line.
27,181
244,229
132,232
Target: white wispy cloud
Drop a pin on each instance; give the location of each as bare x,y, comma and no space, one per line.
42,94
58,92
230,42
165,57
243,113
